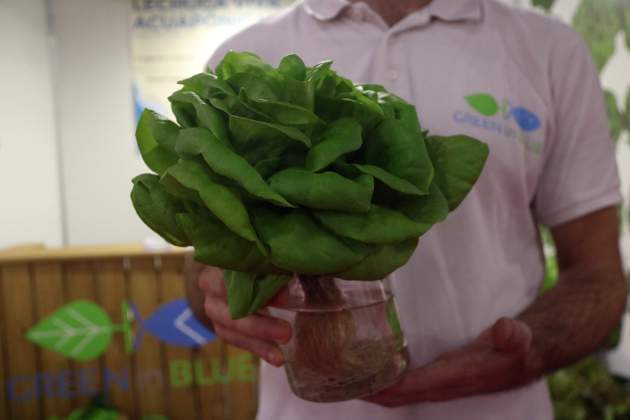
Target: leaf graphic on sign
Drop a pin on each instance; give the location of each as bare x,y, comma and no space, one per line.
80,330
483,103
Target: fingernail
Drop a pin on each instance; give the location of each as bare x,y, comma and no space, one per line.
275,357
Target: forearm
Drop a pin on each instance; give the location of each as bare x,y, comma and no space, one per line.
573,319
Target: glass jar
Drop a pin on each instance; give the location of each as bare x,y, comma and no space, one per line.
346,343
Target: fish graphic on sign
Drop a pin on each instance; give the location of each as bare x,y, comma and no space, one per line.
81,330
175,324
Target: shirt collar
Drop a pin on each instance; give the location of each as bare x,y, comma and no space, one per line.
455,10
448,10
324,9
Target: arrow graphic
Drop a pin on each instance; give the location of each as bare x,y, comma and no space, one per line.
175,324
180,324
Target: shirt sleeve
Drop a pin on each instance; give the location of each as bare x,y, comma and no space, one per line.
579,175
217,55
252,38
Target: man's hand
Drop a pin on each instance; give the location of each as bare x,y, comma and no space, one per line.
498,359
258,333
560,327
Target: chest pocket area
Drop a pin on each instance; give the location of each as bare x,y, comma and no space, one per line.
495,102
500,103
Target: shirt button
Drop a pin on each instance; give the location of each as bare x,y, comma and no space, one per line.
394,74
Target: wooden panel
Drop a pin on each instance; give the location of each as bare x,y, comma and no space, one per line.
243,391
30,253
212,382
4,406
181,397
17,312
79,284
144,293
22,248
211,373
49,296
111,288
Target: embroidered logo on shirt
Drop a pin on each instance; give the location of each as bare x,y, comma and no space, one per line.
499,118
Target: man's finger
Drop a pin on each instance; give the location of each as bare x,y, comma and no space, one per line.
212,307
511,335
258,326
211,282
268,351
281,298
263,327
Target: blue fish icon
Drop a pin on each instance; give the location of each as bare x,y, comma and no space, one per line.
527,120
173,323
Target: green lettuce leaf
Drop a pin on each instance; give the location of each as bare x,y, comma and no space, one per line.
326,190
218,246
379,225
401,151
157,208
224,161
458,161
275,171
340,138
298,244
381,263
224,202
206,115
157,152
248,292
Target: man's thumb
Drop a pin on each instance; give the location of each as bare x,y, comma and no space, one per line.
511,335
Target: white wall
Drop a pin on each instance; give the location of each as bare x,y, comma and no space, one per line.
95,111
95,117
30,204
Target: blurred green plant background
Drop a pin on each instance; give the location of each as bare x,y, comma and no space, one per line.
587,390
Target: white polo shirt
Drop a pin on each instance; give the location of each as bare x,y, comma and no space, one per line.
526,86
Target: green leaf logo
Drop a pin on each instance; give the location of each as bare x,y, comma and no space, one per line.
483,103
80,330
